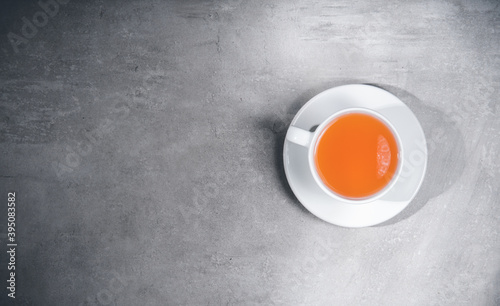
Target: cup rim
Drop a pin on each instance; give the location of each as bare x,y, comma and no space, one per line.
312,148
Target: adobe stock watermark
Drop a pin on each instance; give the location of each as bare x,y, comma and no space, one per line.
108,295
40,19
459,115
302,272
202,195
91,139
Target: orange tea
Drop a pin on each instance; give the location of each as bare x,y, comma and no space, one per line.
356,155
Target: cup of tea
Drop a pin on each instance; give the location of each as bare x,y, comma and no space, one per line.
355,155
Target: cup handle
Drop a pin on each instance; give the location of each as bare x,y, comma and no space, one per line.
299,136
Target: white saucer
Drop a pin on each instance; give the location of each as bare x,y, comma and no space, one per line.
413,147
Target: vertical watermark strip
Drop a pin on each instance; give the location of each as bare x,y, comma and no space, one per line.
11,243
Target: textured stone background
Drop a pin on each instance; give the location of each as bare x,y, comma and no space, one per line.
144,138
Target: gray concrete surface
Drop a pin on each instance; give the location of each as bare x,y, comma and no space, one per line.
143,140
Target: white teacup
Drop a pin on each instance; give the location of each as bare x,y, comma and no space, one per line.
309,140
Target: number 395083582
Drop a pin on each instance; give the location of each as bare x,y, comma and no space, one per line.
11,217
